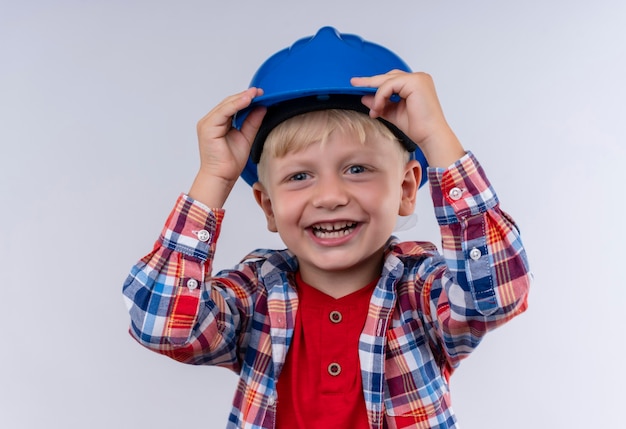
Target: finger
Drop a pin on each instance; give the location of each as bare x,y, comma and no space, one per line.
369,82
223,112
218,121
252,123
376,80
368,101
390,91
386,97
388,86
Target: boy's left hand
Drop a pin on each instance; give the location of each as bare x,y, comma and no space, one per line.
418,113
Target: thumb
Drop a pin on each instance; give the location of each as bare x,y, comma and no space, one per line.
367,101
252,123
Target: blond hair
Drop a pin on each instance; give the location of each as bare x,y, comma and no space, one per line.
301,131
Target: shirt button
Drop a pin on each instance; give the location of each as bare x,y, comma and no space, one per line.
271,401
334,369
204,235
335,316
192,284
455,193
475,254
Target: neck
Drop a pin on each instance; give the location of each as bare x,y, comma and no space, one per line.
340,283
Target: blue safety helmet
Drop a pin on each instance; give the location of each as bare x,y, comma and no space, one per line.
314,74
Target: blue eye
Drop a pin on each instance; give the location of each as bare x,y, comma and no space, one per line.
298,177
356,169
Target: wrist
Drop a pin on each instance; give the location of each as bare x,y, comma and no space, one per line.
442,149
211,190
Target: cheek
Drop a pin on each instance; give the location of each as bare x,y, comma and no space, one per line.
286,210
383,195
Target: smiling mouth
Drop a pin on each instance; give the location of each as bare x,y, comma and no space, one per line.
333,230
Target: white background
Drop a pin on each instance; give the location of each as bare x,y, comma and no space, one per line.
98,106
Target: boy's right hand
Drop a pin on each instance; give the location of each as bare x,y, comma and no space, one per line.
224,150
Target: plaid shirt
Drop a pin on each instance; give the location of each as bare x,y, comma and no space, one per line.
427,312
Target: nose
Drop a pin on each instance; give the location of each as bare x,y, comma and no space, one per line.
330,193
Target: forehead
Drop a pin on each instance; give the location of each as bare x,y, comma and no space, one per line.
339,151
300,131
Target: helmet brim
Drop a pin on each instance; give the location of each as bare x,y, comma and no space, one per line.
275,98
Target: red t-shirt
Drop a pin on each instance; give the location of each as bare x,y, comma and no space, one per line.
320,384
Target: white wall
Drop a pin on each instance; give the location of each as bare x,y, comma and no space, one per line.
98,105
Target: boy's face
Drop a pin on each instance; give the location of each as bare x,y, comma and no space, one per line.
335,205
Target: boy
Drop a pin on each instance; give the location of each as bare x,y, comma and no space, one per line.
347,327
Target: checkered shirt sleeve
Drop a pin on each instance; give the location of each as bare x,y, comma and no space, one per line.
177,309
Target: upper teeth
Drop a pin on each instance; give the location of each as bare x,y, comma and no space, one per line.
333,226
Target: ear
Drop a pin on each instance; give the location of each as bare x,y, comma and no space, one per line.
410,185
263,200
